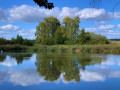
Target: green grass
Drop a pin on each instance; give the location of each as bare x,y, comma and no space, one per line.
12,48
104,48
76,48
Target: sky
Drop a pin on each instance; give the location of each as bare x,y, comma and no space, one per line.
22,16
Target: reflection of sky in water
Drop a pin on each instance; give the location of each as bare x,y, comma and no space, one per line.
106,74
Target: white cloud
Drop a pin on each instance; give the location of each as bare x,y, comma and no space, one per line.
106,30
29,13
28,34
26,77
9,27
91,76
118,25
106,27
9,63
5,31
94,14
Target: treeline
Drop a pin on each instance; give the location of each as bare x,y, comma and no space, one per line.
18,40
52,32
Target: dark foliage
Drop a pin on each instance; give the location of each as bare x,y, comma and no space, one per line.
44,3
19,40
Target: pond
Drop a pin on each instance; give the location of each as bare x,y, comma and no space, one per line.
59,71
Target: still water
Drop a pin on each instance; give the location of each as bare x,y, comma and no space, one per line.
59,71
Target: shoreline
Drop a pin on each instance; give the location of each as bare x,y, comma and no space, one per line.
104,48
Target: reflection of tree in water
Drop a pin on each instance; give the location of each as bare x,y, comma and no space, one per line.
51,66
2,58
20,57
88,59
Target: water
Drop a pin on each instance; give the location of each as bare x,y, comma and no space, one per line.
59,71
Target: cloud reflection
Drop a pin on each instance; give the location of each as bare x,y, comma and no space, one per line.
27,77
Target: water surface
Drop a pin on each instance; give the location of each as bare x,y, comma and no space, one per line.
59,71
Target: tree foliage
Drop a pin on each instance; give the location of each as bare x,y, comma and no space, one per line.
18,40
45,32
51,32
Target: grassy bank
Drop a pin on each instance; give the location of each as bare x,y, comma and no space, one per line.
113,47
76,48
12,48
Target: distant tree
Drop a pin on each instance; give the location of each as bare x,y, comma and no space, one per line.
19,39
12,41
3,41
28,42
44,3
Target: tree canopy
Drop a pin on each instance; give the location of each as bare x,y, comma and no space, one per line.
52,32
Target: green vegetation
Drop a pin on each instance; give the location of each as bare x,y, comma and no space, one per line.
19,40
52,36
19,57
51,32
12,48
103,48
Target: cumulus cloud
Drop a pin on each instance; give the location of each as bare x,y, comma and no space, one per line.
9,27
91,76
26,77
94,14
106,30
106,27
5,31
27,13
9,63
118,25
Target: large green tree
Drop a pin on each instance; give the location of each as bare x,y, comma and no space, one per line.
46,29
72,27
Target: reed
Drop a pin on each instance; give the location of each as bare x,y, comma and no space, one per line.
12,48
76,48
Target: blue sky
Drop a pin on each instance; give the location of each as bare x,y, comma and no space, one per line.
22,17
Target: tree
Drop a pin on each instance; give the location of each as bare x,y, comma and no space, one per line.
59,39
45,32
44,3
3,41
72,27
20,57
19,39
84,37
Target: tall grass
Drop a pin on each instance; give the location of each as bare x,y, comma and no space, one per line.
104,48
7,48
115,42
76,48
